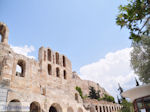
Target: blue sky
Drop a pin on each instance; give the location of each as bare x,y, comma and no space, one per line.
84,30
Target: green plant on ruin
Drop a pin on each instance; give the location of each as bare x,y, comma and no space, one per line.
108,98
79,91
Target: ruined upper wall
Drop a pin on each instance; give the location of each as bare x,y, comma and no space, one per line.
4,33
85,84
51,68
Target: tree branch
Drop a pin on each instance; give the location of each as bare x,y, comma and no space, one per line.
145,23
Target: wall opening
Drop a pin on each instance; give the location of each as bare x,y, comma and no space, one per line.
103,108
2,32
20,68
110,109
57,58
100,108
76,97
14,106
1,37
96,108
35,107
57,72
64,61
106,109
49,68
65,75
55,108
49,54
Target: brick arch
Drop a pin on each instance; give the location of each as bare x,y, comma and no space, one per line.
55,107
35,107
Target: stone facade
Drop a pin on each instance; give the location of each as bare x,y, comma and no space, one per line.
46,85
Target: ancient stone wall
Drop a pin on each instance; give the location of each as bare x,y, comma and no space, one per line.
45,85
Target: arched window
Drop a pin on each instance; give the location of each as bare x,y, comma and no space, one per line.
65,75
1,37
35,107
96,108
44,55
14,106
103,108
20,68
57,58
57,72
110,109
106,109
100,108
49,69
64,61
49,54
76,97
55,108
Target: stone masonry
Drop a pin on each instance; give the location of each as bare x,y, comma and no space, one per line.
46,85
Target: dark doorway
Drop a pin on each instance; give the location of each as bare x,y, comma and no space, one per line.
35,107
52,109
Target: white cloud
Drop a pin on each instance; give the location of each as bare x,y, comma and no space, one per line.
25,50
114,68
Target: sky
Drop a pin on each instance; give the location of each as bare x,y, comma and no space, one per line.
84,30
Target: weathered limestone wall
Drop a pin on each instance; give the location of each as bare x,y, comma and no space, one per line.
48,82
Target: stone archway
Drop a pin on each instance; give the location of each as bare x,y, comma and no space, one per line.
80,110
70,109
35,107
55,108
14,105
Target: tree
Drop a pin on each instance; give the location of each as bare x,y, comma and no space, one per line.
93,94
127,106
140,59
137,83
120,89
119,102
135,15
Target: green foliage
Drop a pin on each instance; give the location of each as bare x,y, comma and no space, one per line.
80,91
93,94
108,98
127,106
140,59
135,15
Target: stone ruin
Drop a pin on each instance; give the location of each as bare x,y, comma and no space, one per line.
46,85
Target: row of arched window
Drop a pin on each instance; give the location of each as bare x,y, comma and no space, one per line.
16,106
49,67
107,108
49,57
21,66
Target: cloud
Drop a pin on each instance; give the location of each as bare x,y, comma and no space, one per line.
25,50
114,68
